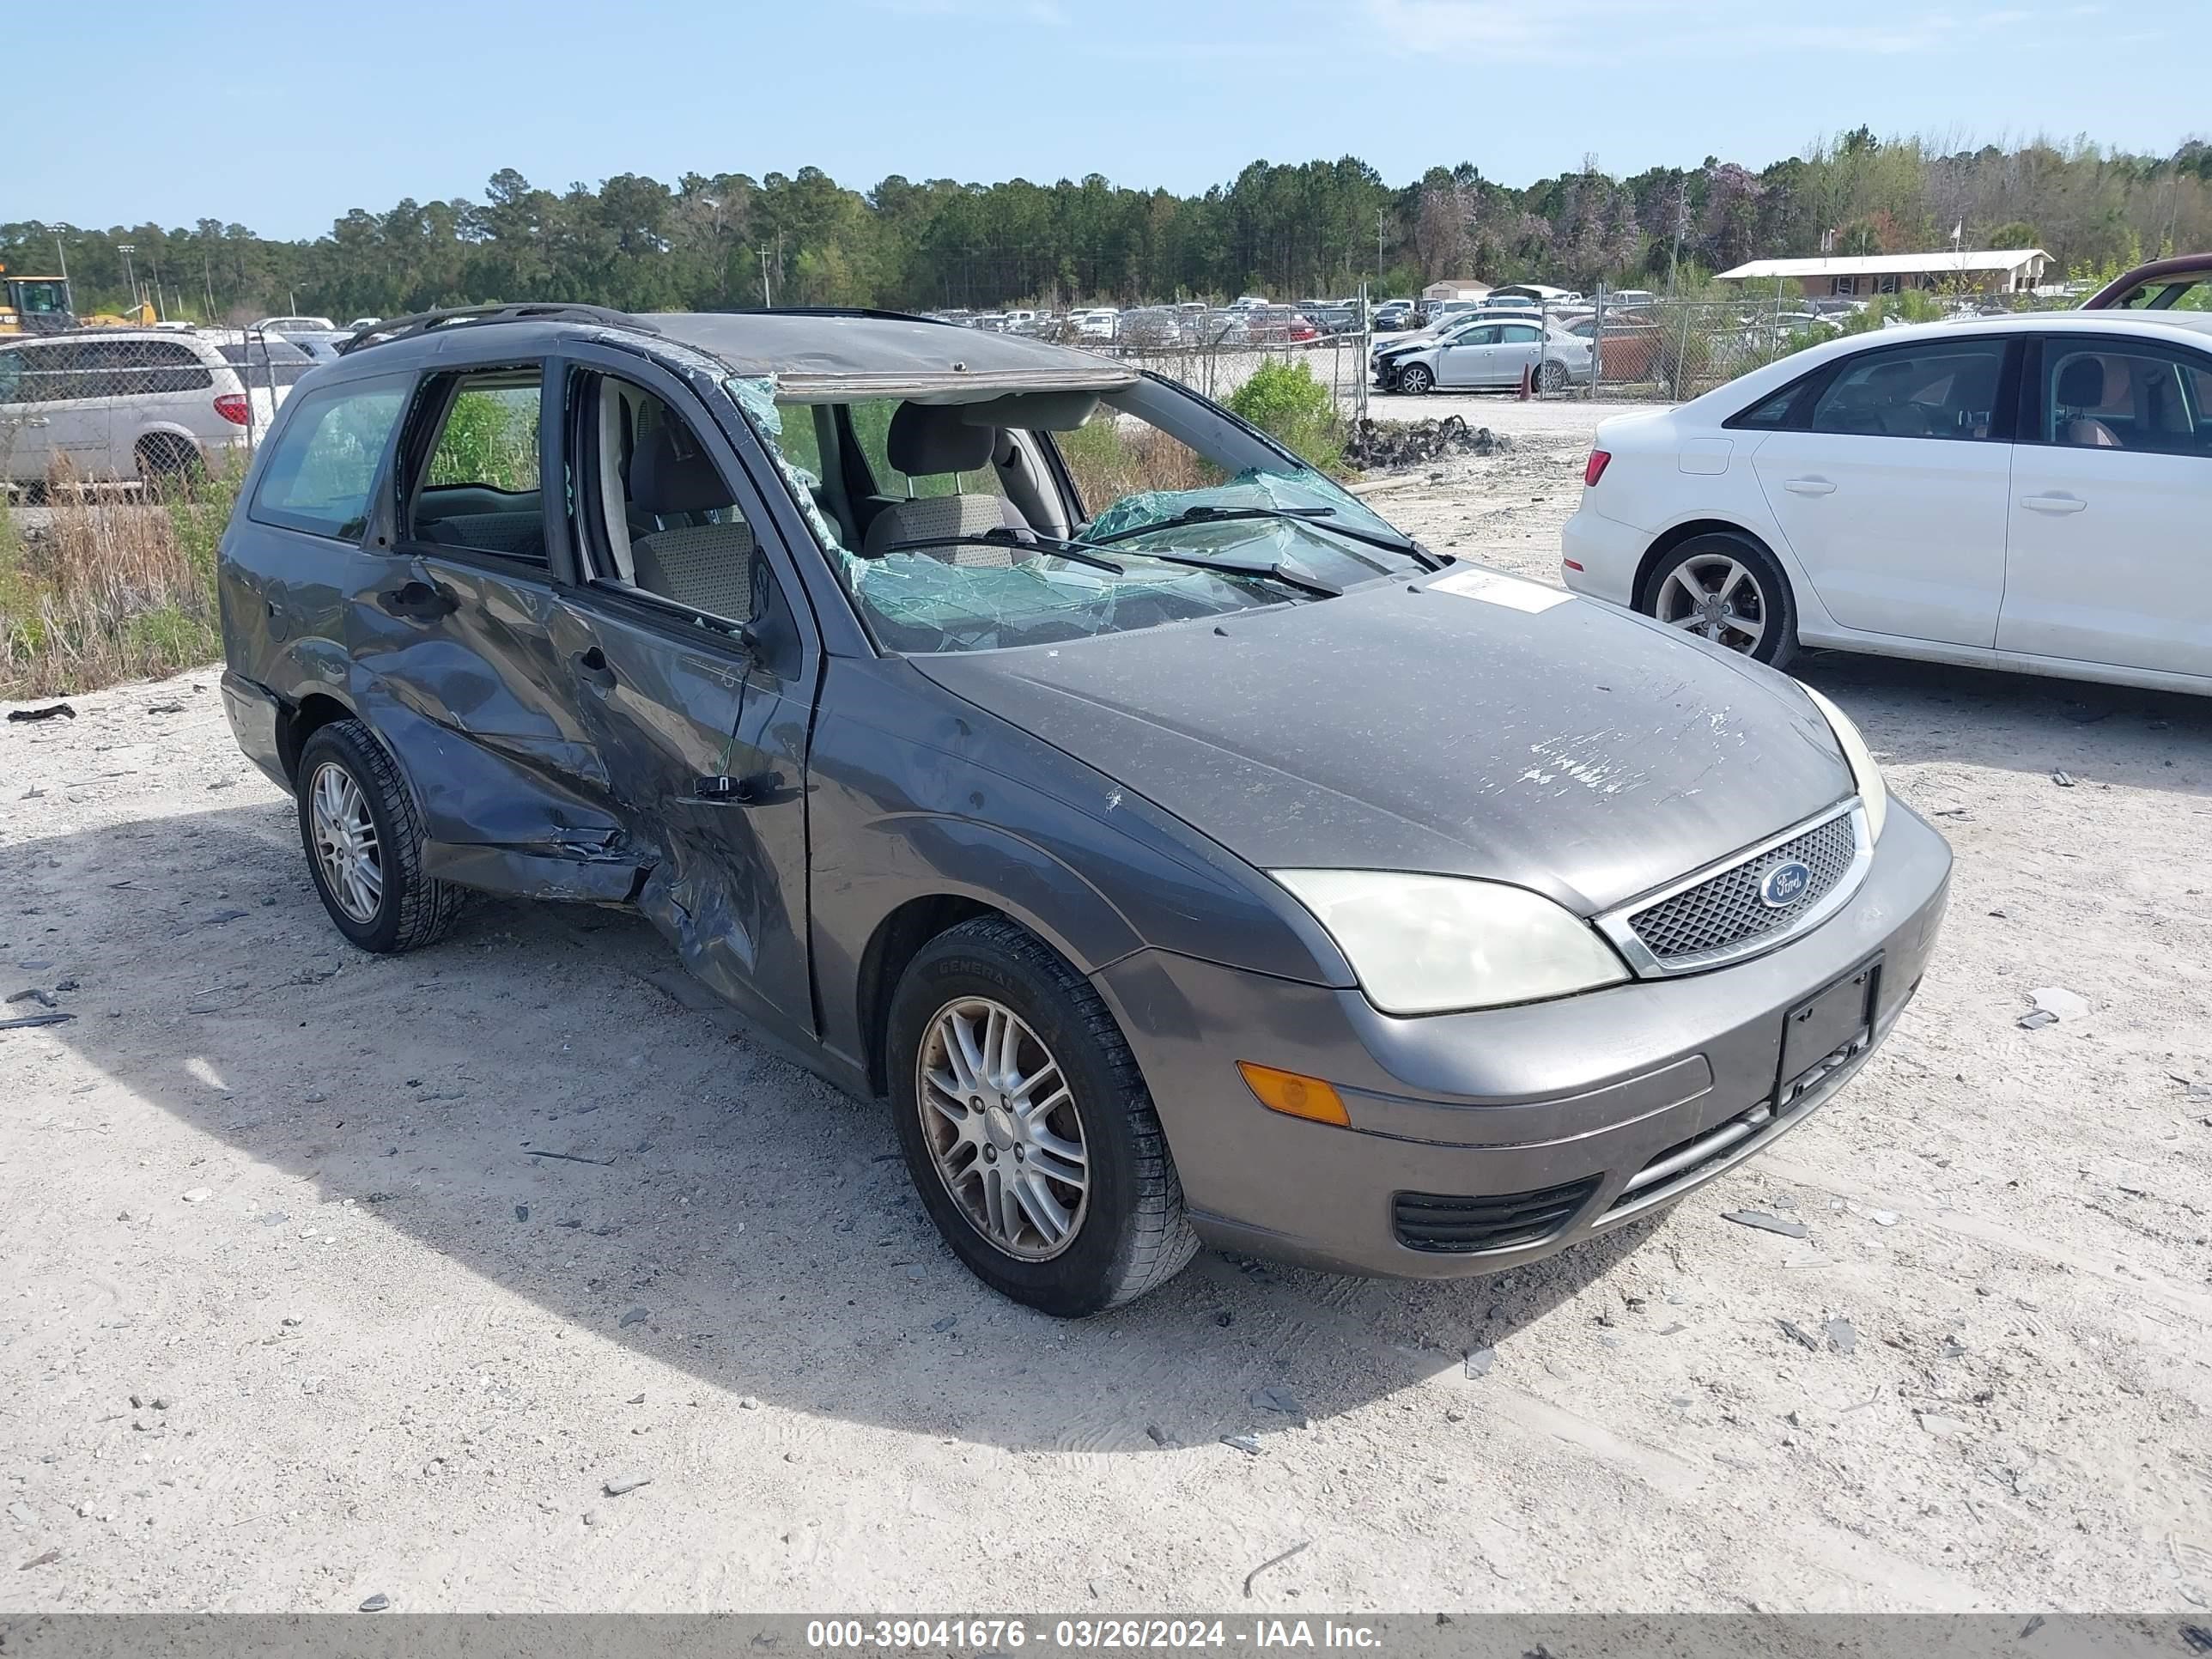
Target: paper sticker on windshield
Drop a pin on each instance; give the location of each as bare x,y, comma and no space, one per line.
1493,589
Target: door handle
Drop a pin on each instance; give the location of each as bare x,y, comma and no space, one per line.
418,601
591,668
2053,503
1809,487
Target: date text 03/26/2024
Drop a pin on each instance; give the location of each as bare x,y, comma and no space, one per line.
1084,1635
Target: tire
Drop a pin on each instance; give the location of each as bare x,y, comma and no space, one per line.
1551,375
1755,614
1124,1233
168,464
1415,379
410,909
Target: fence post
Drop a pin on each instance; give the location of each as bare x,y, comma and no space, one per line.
1597,343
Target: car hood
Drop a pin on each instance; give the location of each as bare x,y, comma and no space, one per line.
1470,724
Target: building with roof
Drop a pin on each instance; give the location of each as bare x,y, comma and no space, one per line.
1993,270
1460,287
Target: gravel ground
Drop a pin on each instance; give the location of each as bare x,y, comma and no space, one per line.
334,1276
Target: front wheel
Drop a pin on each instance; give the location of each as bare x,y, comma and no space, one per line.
1027,1126
1725,587
1415,378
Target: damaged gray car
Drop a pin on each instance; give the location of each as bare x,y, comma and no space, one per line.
1182,852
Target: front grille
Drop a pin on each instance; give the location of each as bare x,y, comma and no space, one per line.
1438,1223
1727,911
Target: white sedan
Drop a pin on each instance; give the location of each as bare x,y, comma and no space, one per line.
1485,350
2030,492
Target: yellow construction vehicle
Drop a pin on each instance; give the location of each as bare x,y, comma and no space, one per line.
40,305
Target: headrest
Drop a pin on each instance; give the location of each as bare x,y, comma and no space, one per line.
671,474
2082,383
928,438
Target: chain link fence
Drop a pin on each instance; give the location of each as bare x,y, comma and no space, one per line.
108,408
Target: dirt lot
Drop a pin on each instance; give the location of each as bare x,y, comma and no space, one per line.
332,1276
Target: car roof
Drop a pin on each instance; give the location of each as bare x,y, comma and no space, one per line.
814,356
78,336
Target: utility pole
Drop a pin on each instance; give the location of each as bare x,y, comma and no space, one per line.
130,276
1378,247
768,297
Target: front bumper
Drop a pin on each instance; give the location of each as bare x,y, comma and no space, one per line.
1556,1120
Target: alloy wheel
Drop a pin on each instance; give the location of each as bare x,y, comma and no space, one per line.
1002,1128
345,841
1717,597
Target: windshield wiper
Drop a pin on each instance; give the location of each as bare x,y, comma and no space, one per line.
1277,572
1071,551
1312,515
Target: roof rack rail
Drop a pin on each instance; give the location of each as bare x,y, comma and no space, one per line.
875,312
425,322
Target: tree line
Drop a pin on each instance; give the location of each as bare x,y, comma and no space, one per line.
1289,230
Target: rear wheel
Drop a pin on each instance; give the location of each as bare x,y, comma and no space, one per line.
1027,1126
364,843
169,464
1727,588
1551,375
1415,378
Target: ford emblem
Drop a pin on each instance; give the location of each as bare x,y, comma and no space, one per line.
1784,885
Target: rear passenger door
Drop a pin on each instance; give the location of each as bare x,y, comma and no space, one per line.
693,667
457,633
22,423
1891,487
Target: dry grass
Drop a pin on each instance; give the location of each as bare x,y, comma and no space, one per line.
99,586
1110,457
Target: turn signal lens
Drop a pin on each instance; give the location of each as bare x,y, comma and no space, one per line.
1295,1096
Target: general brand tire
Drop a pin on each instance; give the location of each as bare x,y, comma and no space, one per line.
1130,1236
1705,558
1416,378
410,909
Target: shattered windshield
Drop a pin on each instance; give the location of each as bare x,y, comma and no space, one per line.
952,525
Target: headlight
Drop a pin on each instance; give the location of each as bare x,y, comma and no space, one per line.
1424,944
1864,773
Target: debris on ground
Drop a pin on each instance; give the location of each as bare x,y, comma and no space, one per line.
1246,1443
2063,779
1274,1561
1479,1360
34,995
1764,1223
376,1603
634,1316
1841,1336
522,1212
46,1560
1940,1425
1272,1399
627,1483
1411,443
165,709
45,713
1799,1334
23,1021
1159,1436
2058,1002
2036,1020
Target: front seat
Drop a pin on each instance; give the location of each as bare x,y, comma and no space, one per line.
925,439
2086,383
706,567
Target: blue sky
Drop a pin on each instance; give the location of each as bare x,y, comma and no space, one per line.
265,115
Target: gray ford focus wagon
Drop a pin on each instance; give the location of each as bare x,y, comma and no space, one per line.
1181,851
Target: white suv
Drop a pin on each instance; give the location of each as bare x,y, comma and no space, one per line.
121,403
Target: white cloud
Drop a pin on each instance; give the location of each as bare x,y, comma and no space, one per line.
1512,30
